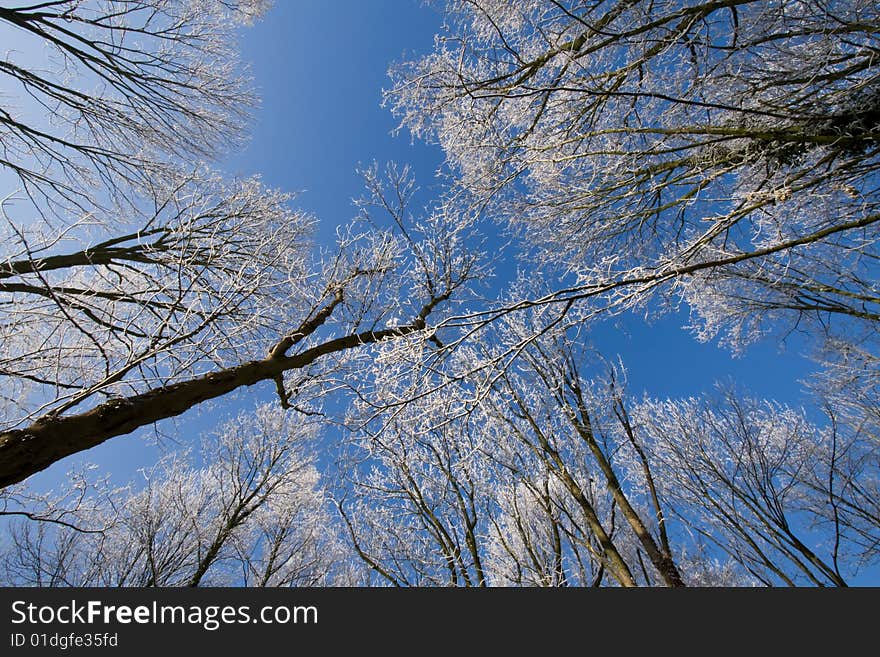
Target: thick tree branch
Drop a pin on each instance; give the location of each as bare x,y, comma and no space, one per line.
101,254
51,438
308,327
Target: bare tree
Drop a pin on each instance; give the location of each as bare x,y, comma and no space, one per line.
548,478
415,510
721,154
537,540
161,319
110,95
253,514
461,479
561,392
135,283
790,502
539,474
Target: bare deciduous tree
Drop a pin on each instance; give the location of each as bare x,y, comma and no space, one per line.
134,283
723,154
254,513
106,95
220,295
790,502
550,477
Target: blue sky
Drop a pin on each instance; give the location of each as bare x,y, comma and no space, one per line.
319,67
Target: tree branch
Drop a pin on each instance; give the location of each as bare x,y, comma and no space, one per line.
51,438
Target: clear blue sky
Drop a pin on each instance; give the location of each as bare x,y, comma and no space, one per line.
319,67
